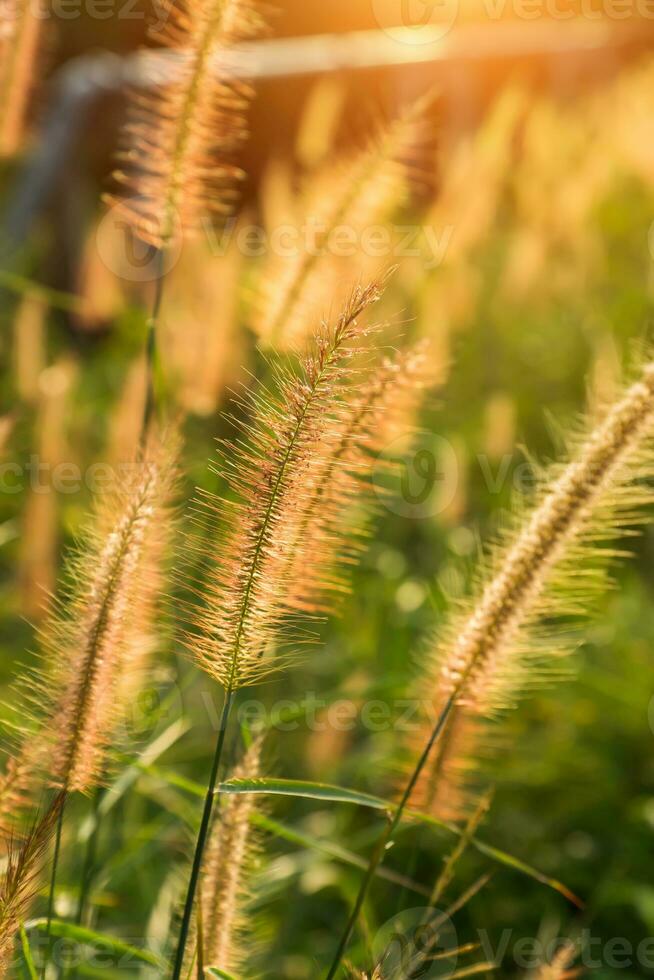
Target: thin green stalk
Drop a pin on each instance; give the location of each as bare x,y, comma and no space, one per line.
53,883
387,837
202,837
151,345
89,857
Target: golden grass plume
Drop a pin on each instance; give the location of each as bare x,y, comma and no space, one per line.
304,462
226,869
20,881
72,697
545,570
255,584
184,134
354,196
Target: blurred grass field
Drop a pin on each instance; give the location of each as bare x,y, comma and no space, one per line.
545,289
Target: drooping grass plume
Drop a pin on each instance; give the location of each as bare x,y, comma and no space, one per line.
21,879
257,582
257,585
550,565
184,134
21,25
223,887
352,197
87,639
379,409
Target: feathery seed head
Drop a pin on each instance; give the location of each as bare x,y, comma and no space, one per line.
88,639
257,586
228,860
184,135
356,196
550,565
20,882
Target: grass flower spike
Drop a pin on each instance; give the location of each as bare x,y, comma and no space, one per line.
184,136
355,197
88,636
20,881
258,583
266,581
228,861
549,565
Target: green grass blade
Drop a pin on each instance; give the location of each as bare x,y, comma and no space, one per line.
339,794
215,971
332,850
88,937
27,954
305,790
55,298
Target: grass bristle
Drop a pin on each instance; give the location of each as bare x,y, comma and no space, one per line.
21,879
179,164
549,566
355,195
89,638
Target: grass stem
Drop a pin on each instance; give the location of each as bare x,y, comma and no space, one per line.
53,883
202,837
89,857
151,345
386,839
